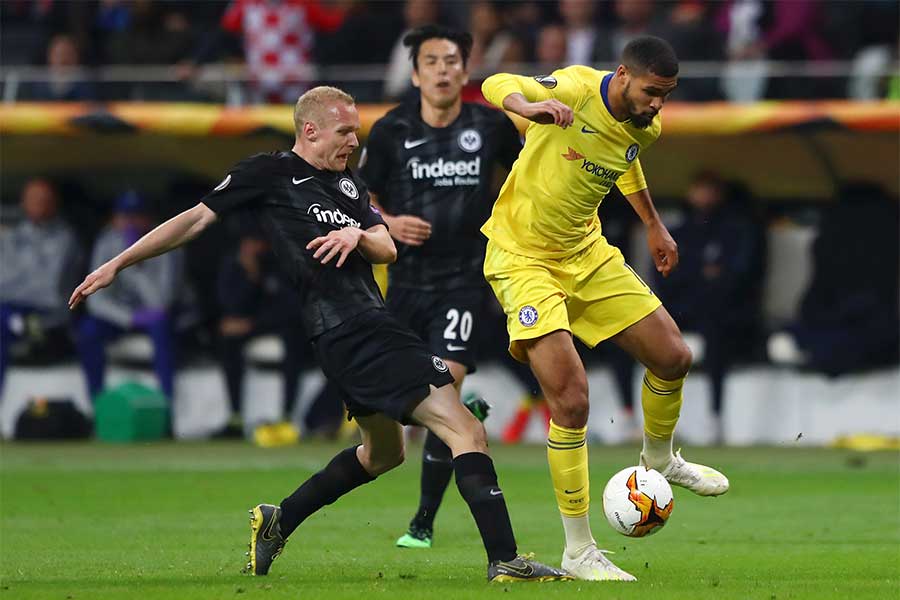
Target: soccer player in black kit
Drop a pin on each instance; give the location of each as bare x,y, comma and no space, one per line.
317,217
429,166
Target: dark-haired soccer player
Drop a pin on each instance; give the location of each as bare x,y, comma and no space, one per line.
556,276
315,213
430,166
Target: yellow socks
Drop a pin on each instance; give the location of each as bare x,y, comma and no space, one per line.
568,457
661,400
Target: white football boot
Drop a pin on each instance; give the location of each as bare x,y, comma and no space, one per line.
700,479
592,565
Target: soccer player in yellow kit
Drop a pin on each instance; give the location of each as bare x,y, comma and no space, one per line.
556,276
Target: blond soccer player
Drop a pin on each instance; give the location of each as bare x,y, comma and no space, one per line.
556,275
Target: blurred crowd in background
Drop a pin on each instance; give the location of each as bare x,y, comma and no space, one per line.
207,302
247,51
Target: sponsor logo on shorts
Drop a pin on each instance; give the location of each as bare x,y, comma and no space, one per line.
528,315
439,365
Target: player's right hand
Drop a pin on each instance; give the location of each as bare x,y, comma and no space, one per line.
409,229
97,280
548,112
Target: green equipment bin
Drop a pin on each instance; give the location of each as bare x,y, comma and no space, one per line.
131,412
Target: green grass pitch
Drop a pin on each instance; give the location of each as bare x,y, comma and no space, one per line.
169,521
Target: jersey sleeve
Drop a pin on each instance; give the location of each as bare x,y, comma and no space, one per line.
244,183
561,85
371,216
375,164
632,180
510,141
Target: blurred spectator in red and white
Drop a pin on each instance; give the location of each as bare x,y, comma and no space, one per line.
397,80
40,266
278,37
66,80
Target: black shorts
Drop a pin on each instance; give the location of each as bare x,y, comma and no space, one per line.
379,365
446,320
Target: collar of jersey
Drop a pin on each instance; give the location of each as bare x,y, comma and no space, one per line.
311,170
604,93
417,114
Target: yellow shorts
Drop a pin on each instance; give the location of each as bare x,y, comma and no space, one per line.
593,294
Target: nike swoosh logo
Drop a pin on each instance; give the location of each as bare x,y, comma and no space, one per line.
526,572
586,130
429,457
496,492
452,348
574,491
409,144
299,181
267,532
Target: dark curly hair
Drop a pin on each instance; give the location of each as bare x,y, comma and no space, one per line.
653,54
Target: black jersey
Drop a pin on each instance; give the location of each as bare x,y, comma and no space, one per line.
443,175
294,203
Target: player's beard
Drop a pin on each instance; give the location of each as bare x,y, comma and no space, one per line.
639,120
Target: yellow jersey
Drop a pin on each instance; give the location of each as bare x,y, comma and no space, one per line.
547,208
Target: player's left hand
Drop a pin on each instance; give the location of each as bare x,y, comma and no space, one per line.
340,243
663,248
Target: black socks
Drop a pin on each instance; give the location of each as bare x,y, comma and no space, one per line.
437,468
477,483
342,474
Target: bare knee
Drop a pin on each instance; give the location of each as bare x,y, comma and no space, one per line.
568,397
479,437
381,460
470,437
676,363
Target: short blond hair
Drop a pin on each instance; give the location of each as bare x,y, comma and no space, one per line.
312,105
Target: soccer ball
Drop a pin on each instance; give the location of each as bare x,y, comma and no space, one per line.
637,501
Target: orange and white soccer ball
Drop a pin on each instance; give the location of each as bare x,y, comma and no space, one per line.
637,501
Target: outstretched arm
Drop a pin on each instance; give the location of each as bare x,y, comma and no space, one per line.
173,233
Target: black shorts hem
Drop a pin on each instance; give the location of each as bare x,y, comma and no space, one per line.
405,401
